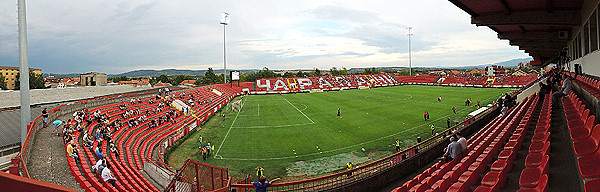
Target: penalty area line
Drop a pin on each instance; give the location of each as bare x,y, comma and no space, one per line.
227,134
299,111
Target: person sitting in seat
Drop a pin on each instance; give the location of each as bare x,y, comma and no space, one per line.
453,150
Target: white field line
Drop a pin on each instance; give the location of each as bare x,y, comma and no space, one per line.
300,111
272,126
221,145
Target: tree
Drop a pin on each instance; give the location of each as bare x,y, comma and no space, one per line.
406,72
163,78
180,78
371,71
118,79
344,71
209,77
35,81
288,74
334,71
316,72
2,82
301,74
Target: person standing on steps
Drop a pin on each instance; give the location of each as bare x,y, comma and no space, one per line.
45,116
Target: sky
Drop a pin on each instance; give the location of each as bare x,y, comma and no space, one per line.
120,36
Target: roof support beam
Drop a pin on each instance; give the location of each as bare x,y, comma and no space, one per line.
506,7
531,35
558,18
545,42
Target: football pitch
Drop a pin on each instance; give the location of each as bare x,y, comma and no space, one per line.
277,131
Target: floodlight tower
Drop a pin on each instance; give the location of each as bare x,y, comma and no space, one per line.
23,70
224,22
409,32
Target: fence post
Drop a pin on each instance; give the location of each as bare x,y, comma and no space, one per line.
197,177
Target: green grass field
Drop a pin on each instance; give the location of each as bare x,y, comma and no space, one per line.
298,135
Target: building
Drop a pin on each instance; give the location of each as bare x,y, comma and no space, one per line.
93,79
495,70
476,72
10,75
161,84
136,83
188,82
519,72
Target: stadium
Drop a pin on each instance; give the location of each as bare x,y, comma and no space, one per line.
382,131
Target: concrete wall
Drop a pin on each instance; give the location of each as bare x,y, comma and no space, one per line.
590,63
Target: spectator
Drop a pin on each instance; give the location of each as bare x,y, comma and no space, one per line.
87,141
98,166
448,122
461,141
113,149
45,116
107,176
500,102
99,151
452,151
564,91
72,152
56,124
262,184
504,110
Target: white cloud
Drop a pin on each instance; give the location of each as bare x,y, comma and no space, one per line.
113,36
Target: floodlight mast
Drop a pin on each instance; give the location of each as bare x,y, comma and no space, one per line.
23,70
409,32
224,22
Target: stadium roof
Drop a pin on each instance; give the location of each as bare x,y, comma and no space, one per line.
541,28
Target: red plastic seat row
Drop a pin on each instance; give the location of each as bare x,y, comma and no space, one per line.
467,170
536,162
493,180
496,178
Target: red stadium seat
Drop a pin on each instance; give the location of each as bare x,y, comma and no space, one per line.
588,145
